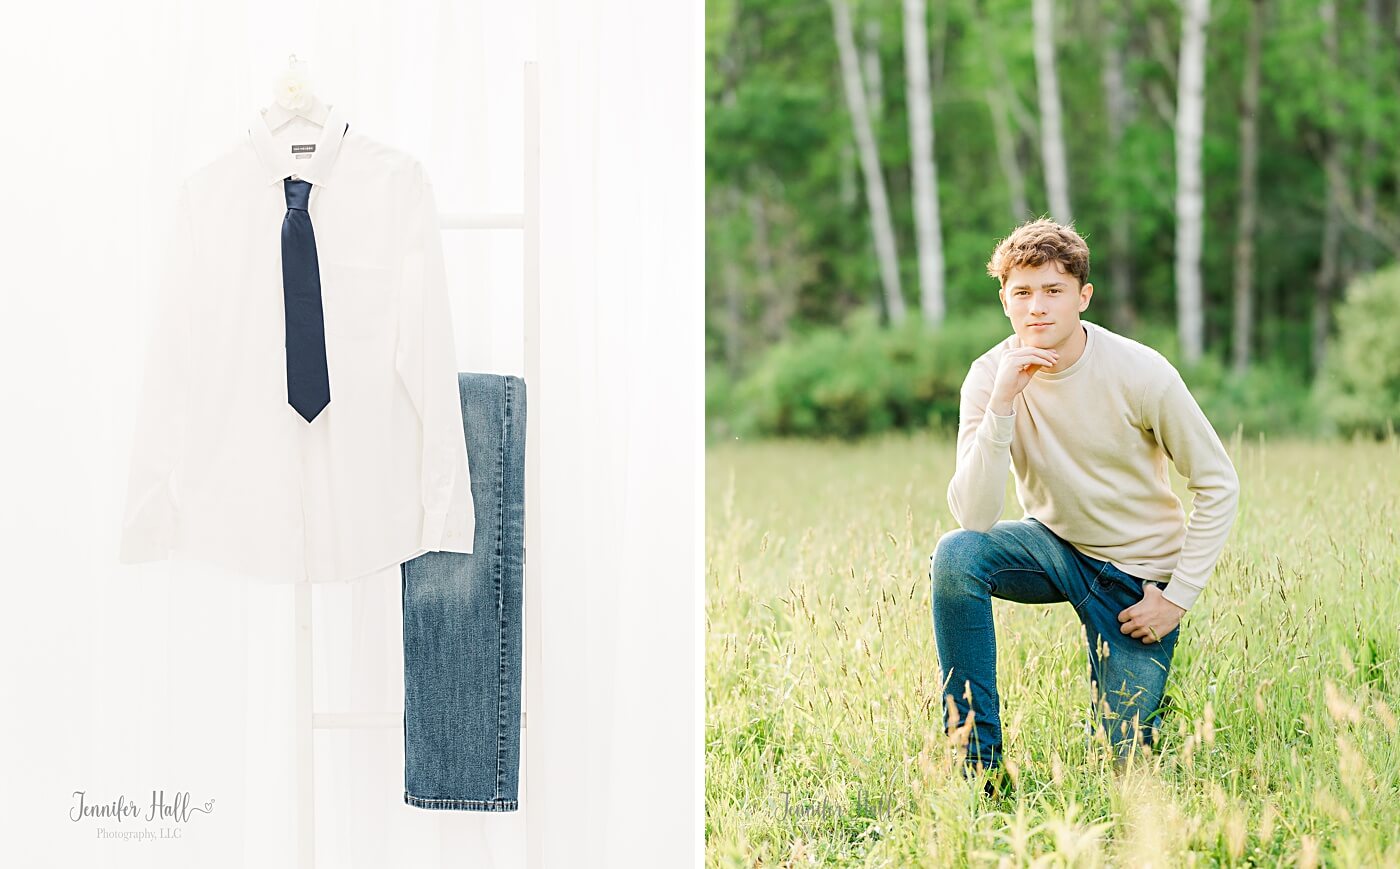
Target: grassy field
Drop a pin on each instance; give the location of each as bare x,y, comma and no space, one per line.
823,737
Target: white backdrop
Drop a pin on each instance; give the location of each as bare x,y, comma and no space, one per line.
119,680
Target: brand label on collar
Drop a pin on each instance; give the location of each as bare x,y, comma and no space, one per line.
301,152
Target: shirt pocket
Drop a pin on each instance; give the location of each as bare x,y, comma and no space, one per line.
358,299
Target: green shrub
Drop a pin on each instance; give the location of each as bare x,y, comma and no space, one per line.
1268,398
719,395
862,379
1359,386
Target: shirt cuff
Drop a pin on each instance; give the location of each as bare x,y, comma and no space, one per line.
434,521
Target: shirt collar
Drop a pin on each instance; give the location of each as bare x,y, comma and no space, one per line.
278,164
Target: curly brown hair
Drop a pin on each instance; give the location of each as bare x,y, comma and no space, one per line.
1036,242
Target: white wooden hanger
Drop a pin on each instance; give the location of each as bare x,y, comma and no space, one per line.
295,98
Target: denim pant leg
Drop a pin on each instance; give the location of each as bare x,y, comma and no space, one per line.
1025,562
462,617
1128,677
1021,561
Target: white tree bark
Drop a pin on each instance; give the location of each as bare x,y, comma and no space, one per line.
881,224
733,320
1190,192
1119,107
1249,159
1328,271
775,289
928,230
731,273
1006,155
870,69
1369,145
1002,102
848,188
1052,140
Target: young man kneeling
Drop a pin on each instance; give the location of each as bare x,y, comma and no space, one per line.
1087,419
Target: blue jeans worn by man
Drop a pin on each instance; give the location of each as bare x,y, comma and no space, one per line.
1024,561
462,624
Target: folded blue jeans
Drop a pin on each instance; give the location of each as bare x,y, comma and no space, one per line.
1024,561
462,618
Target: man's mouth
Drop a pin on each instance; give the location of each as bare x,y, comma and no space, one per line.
1038,325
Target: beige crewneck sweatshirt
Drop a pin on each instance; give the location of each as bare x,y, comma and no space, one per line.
1089,446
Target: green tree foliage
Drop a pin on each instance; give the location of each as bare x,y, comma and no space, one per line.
789,248
862,378
1360,384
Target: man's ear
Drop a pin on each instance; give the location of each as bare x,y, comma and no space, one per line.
1086,292
1001,294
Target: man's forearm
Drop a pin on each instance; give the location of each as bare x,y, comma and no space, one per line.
1196,450
1212,513
977,492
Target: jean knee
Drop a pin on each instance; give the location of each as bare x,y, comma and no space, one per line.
955,555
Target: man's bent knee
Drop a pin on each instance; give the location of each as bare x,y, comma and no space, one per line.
956,555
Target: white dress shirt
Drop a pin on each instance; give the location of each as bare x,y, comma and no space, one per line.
224,471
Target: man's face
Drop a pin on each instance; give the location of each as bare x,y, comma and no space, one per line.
1043,303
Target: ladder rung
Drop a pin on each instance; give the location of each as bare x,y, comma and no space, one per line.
365,720
354,720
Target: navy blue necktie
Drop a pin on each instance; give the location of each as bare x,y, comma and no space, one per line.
308,382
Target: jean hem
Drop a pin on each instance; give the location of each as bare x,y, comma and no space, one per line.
461,805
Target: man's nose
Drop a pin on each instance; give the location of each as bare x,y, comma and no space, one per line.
1037,303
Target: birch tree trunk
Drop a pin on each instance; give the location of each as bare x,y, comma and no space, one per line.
729,203
1006,155
1118,106
1331,230
1052,140
928,231
881,224
773,318
1370,147
1249,196
1326,274
1000,104
1190,193
871,73
733,314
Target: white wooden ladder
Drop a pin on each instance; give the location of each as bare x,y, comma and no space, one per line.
308,720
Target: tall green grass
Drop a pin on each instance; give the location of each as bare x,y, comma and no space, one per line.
823,736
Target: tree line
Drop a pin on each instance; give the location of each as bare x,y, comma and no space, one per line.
1233,164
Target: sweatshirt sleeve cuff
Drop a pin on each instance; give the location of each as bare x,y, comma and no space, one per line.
999,428
1181,594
